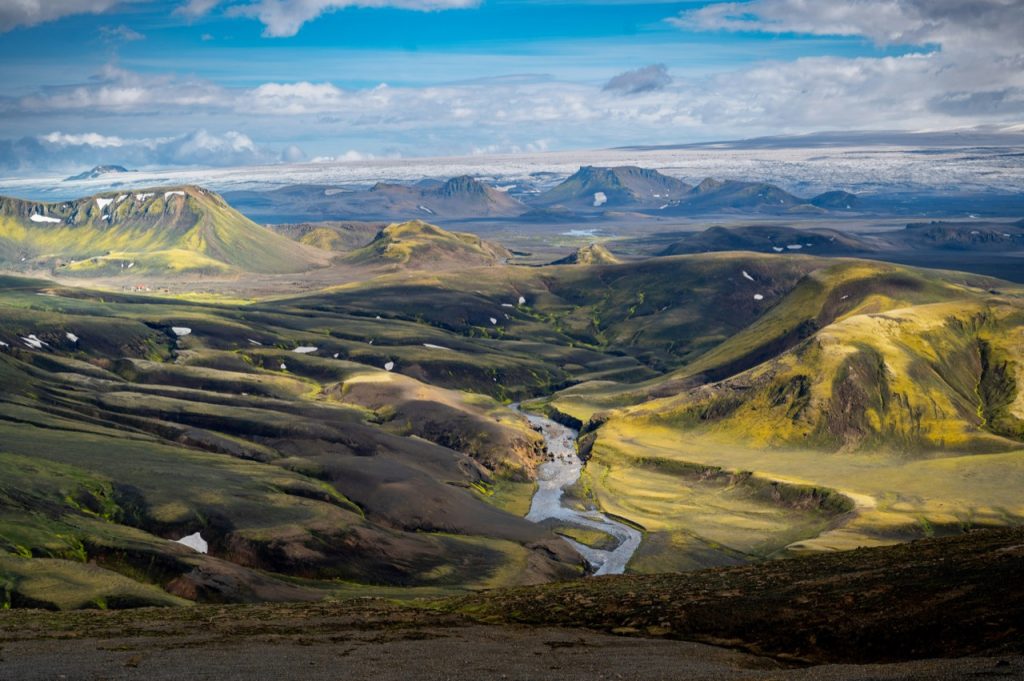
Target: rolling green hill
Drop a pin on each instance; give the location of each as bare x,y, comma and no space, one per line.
417,244
153,231
593,254
899,390
736,407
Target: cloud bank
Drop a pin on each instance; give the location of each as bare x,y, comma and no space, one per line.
284,18
59,151
14,13
966,69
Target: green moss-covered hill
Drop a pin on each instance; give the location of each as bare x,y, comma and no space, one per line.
176,230
418,245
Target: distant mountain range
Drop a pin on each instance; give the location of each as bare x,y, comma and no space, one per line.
592,190
96,172
191,230
459,197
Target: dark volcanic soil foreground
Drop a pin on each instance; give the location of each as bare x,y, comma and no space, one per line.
935,609
947,597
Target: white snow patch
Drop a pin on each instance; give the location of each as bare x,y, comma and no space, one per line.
794,247
36,217
284,367
747,276
105,216
181,330
758,296
4,345
33,342
103,203
507,305
121,198
494,320
175,192
143,197
663,206
71,337
305,349
522,300
778,249
254,342
600,198
388,366
426,210
195,542
335,355
131,264
435,347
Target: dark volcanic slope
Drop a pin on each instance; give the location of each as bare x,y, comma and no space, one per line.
622,187
931,598
949,598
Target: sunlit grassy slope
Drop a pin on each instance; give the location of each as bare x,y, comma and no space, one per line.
736,406
858,383
418,245
166,230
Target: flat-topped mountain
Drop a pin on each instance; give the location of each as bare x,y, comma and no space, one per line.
150,231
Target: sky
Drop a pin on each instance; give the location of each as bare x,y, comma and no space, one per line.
208,83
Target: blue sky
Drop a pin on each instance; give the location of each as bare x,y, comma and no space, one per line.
201,82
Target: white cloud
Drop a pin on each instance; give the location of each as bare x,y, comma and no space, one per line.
197,8
120,33
14,13
90,139
57,151
349,156
931,89
990,25
284,18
